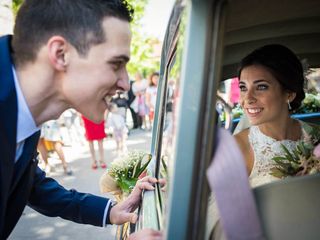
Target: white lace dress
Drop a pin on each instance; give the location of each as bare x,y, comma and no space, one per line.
265,148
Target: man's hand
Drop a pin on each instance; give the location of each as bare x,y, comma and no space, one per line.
147,234
123,211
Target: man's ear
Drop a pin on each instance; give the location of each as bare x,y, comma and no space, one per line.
58,48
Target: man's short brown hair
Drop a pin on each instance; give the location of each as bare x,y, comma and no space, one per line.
78,21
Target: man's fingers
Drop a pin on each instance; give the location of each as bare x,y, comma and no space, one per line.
145,186
153,180
147,183
162,182
126,217
146,234
148,179
133,218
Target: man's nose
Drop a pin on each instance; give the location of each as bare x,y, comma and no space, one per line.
123,82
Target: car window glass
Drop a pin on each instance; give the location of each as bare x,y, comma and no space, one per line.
171,103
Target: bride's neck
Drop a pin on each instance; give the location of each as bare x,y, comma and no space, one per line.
288,129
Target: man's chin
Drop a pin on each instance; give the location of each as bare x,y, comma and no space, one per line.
95,118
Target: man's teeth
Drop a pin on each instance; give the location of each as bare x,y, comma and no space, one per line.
254,110
107,99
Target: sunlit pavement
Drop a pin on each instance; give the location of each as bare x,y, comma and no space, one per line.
33,225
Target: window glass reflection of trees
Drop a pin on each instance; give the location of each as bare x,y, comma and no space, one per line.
171,108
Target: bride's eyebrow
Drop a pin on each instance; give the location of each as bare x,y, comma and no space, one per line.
260,81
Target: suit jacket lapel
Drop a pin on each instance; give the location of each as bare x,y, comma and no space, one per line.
8,122
29,154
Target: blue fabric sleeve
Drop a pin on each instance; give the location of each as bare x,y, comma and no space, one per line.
51,199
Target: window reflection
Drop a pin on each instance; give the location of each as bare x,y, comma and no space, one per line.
170,108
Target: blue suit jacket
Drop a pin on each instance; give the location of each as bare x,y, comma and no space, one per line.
24,183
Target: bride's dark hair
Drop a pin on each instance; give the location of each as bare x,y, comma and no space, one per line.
283,64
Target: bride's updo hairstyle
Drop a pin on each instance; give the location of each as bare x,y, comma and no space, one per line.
283,65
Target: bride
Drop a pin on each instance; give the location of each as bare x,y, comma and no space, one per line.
271,87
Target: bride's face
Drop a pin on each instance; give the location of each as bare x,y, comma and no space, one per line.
261,96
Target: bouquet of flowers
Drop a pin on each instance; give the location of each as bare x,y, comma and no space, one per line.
124,172
303,160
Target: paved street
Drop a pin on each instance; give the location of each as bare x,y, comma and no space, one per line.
32,225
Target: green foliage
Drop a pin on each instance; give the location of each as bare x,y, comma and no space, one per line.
237,111
142,58
126,170
299,162
164,168
16,5
176,68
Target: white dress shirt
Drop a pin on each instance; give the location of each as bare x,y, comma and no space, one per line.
26,125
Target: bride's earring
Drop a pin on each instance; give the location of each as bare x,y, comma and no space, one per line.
289,106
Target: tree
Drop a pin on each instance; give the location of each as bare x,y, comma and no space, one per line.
15,5
142,46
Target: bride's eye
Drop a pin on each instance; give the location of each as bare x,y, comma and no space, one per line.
262,87
242,88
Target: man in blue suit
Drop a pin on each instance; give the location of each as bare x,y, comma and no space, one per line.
63,54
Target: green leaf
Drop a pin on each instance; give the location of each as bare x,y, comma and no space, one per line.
306,149
296,154
137,168
164,164
279,158
276,172
288,154
127,185
300,148
141,170
284,165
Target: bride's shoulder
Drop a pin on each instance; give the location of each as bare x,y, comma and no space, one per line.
242,138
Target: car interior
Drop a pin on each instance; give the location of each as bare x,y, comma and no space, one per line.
204,42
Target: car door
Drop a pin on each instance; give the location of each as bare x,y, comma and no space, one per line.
204,43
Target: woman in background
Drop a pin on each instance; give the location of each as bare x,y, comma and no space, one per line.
139,104
95,132
151,95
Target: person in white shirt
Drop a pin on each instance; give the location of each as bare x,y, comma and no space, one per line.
120,131
151,95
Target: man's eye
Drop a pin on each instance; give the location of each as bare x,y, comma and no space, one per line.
116,65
